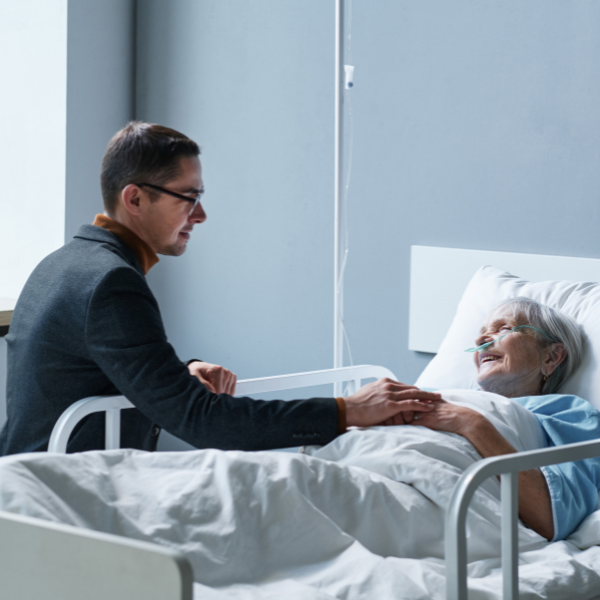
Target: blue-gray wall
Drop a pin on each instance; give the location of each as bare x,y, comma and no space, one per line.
251,83
477,125
100,97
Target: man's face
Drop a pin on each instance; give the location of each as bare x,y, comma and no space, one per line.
168,221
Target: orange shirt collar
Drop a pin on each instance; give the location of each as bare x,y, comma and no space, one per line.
144,253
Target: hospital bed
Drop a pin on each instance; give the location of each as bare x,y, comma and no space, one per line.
30,569
167,574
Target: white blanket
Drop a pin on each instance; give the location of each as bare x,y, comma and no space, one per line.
359,518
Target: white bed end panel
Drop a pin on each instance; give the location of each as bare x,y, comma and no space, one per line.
439,276
40,560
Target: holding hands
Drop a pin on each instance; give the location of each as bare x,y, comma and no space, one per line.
451,418
387,402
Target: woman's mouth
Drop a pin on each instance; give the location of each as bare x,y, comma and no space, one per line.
487,357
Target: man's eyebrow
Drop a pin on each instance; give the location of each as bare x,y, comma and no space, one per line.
194,190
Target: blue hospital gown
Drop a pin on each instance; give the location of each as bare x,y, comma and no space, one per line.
573,486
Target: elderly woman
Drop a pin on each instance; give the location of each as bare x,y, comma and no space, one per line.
525,352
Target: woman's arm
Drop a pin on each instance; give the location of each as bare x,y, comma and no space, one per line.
535,507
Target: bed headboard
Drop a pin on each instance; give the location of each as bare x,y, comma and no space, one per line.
439,276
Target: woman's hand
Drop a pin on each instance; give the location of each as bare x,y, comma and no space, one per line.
535,506
451,418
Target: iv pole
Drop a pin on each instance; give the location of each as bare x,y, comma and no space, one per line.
339,217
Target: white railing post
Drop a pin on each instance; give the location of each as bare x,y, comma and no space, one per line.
112,436
510,540
67,422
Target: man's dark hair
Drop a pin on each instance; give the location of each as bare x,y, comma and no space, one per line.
142,153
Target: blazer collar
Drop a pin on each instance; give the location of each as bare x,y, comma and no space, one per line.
144,253
95,233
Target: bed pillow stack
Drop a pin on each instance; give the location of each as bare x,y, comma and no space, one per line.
452,367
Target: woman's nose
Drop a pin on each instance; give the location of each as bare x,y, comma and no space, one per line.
483,338
198,215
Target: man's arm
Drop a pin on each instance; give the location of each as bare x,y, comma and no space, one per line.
364,408
126,338
535,505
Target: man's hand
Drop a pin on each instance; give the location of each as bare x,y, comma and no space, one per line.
386,402
217,379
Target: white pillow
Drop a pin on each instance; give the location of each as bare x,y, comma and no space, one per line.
452,367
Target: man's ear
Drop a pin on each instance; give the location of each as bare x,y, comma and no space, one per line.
553,356
130,199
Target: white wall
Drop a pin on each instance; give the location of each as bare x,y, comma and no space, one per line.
33,72
47,194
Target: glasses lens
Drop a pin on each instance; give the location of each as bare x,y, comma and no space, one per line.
194,203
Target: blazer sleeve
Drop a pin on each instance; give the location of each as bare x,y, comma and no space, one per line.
126,338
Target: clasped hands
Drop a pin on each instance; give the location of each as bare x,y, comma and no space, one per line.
383,402
388,402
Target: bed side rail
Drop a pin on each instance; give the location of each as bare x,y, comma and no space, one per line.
112,405
507,466
40,559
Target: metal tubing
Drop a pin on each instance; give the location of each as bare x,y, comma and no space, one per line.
338,291
472,478
311,378
112,434
510,540
73,415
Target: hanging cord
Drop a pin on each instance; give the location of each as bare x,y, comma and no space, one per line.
348,101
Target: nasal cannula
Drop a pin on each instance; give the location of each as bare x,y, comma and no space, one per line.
487,344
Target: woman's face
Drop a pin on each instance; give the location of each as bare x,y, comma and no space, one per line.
512,366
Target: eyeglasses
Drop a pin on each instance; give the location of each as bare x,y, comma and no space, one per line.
195,200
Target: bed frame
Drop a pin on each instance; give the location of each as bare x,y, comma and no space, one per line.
29,569
40,560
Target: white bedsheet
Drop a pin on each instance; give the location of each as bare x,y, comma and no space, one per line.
359,518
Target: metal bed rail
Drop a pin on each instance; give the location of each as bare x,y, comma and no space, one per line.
507,466
113,405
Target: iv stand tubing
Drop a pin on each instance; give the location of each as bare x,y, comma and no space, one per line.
339,217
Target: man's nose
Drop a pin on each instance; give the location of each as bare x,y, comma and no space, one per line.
198,215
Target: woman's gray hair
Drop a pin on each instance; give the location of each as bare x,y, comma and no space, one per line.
558,327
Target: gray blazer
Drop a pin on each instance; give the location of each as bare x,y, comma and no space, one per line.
87,324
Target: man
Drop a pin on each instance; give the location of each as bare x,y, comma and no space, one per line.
87,324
